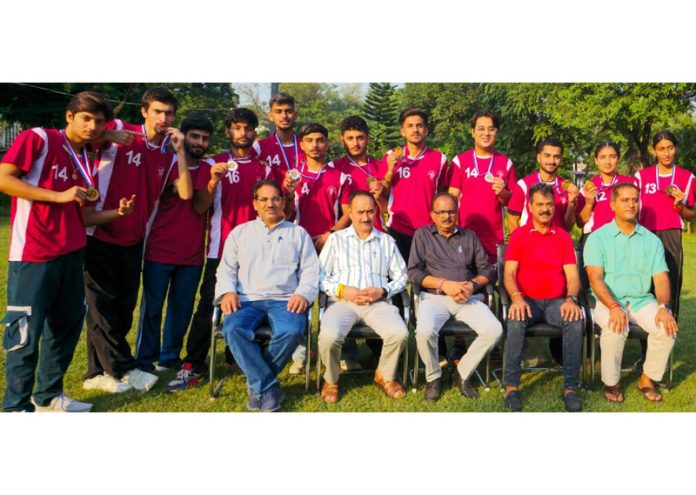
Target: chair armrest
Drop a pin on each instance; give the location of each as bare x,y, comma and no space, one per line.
323,299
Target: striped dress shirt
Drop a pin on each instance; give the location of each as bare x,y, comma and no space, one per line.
346,259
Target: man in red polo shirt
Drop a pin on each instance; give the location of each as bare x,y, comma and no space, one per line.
541,277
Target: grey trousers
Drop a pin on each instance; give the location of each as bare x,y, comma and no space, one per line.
381,316
434,311
612,344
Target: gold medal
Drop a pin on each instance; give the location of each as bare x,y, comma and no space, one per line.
232,165
294,174
398,152
565,185
589,186
489,177
370,181
92,194
671,189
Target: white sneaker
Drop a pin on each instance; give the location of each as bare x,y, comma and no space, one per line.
107,383
297,368
63,403
140,380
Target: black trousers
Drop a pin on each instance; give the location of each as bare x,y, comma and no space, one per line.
112,280
198,341
674,256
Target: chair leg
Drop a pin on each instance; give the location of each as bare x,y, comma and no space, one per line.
593,357
211,370
488,372
308,357
414,377
404,375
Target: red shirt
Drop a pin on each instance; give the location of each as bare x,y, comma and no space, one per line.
42,231
519,201
281,158
479,208
656,206
357,177
122,171
601,210
233,199
414,184
176,233
541,258
318,199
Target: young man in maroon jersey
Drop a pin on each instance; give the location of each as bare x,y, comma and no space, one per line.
321,199
173,256
113,257
226,184
281,150
48,175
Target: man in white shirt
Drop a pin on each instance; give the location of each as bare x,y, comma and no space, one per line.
269,271
357,265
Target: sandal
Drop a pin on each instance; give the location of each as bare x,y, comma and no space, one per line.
649,392
392,388
613,394
329,393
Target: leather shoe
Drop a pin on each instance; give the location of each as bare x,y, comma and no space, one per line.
433,390
329,393
572,401
464,386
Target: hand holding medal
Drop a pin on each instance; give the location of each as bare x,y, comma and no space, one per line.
83,167
590,191
678,195
394,156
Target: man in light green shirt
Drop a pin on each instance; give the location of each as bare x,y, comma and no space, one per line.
622,258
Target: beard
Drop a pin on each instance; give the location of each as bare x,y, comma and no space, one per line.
195,153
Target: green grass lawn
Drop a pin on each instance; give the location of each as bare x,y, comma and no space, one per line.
541,390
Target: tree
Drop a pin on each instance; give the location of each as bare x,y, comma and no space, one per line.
382,112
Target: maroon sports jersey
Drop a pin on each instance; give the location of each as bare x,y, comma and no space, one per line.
656,206
601,210
357,177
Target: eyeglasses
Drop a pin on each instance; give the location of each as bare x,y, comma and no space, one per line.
445,212
275,199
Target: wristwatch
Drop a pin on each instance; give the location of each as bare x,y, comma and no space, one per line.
476,286
574,298
384,293
667,306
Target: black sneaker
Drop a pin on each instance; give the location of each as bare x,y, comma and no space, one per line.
187,377
433,390
513,400
254,402
572,402
464,386
272,400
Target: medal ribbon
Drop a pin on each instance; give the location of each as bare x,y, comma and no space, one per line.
361,168
478,172
282,150
163,144
83,168
657,177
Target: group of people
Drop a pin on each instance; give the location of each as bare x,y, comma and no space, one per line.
99,202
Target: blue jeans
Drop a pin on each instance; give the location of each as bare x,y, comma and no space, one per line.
262,367
181,281
544,311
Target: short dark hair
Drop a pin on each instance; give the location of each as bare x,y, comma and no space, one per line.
312,127
360,192
622,185
241,115
549,142
443,194
281,99
267,182
664,134
161,94
354,123
411,112
485,113
196,121
607,144
92,102
540,188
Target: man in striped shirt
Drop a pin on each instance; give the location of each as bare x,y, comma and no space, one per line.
356,266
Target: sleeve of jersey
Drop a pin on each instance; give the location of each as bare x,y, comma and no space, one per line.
442,178
346,190
26,147
203,176
514,247
690,194
516,204
511,176
455,174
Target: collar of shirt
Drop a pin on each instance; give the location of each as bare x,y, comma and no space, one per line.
351,232
614,229
551,230
260,224
433,231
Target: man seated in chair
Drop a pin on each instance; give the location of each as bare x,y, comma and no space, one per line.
541,277
621,259
357,264
451,266
269,271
